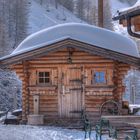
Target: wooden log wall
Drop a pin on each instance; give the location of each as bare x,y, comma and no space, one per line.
94,95
48,101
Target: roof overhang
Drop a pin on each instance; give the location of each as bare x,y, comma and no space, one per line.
126,14
95,50
128,18
81,32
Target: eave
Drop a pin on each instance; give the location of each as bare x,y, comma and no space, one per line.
95,50
124,15
128,17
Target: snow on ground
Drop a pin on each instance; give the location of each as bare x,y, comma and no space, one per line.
40,18
26,132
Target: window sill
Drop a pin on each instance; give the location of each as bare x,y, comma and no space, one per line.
38,87
99,86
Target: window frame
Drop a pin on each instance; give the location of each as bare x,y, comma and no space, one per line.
49,77
99,71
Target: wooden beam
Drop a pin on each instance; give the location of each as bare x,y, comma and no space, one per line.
26,80
100,14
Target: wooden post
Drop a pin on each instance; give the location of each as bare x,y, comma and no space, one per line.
36,104
26,86
100,13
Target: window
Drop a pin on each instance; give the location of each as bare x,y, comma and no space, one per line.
99,77
44,77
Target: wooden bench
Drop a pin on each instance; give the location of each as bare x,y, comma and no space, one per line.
122,122
122,118
132,136
137,129
125,129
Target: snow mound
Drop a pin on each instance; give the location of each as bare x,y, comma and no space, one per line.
81,32
21,132
8,116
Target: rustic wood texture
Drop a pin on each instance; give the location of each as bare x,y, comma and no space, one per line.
71,91
71,88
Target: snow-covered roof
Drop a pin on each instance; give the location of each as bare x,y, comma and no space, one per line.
81,32
130,9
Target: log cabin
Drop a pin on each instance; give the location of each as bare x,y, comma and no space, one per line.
70,67
130,18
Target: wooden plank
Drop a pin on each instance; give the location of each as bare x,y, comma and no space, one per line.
48,109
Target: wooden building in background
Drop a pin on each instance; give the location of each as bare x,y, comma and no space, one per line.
71,67
130,18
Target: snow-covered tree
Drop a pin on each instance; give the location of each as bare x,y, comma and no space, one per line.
132,83
13,17
69,4
13,29
107,22
10,90
131,2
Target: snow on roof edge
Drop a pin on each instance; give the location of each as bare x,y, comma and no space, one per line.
130,9
81,32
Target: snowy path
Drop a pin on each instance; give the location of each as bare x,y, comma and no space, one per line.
22,132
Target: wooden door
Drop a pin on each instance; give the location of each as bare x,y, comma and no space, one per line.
71,91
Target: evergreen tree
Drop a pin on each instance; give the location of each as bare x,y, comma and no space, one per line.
13,24
107,22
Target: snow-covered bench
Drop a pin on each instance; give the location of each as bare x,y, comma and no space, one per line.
9,117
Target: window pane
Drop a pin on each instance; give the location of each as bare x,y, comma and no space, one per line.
41,80
102,77
99,77
47,80
41,74
96,77
44,77
47,74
